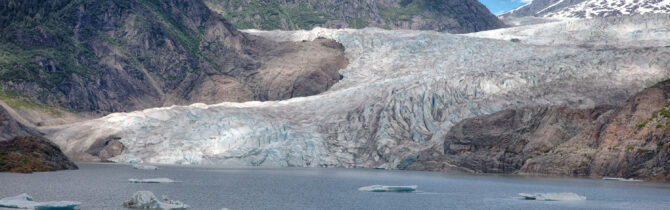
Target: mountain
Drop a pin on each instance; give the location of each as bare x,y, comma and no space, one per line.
589,8
402,95
455,16
124,55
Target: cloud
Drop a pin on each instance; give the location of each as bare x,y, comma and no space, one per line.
525,1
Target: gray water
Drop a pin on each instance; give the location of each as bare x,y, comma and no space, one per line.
106,186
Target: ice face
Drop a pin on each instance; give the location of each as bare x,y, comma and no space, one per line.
400,95
155,180
24,201
566,196
147,200
382,188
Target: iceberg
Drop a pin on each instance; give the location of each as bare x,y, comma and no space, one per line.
154,180
382,188
621,179
24,201
566,196
147,200
144,167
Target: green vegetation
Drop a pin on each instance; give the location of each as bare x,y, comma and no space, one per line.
404,12
305,14
659,125
17,100
46,53
643,124
665,113
269,15
357,23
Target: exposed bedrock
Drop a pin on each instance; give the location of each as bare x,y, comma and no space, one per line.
32,154
630,140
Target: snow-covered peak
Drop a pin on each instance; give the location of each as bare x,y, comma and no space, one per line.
588,8
605,8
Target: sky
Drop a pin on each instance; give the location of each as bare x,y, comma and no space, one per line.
500,6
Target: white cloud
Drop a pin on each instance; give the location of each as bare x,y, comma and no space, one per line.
525,1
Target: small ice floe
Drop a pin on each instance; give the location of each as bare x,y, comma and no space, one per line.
382,188
147,200
566,196
154,180
144,167
24,201
621,179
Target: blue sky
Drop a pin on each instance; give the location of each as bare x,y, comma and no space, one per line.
500,6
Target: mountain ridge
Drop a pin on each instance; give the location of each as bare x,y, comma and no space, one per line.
454,16
588,8
121,55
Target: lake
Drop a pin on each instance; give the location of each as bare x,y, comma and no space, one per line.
106,186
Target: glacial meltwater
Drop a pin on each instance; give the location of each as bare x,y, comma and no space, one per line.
106,186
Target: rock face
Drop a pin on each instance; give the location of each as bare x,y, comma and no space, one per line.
455,16
10,127
503,141
109,56
32,154
588,8
630,140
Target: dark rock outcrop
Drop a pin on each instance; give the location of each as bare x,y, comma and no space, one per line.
631,140
11,128
32,154
454,16
503,141
125,55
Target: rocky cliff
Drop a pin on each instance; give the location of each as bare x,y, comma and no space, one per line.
32,154
10,127
631,140
455,16
124,55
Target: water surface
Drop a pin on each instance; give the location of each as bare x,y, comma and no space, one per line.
106,186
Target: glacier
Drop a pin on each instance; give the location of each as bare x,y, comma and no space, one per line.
400,94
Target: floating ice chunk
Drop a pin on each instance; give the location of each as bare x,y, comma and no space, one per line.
24,201
382,188
154,180
147,200
566,196
621,179
144,167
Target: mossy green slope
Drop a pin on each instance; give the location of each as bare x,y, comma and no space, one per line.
457,16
